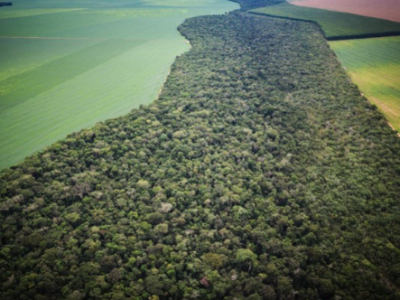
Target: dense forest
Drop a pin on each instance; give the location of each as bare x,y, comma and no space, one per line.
259,173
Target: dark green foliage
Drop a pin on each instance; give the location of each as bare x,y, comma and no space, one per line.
252,4
259,173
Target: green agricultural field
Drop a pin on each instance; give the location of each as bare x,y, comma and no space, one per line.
9,13
374,65
335,25
67,65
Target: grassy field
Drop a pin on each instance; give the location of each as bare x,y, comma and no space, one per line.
8,13
382,9
336,25
374,65
67,65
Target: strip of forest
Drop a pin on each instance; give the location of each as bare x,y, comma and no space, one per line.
260,172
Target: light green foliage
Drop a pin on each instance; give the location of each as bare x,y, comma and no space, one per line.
144,184
67,65
213,260
335,25
245,255
374,65
161,228
72,217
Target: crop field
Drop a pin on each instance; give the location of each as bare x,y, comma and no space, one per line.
65,66
382,9
374,65
8,13
335,25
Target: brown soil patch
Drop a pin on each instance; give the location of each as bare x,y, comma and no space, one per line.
383,9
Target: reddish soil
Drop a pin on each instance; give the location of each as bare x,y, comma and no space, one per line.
383,9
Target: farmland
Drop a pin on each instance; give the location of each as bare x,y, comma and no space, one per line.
67,65
260,172
335,25
387,9
374,65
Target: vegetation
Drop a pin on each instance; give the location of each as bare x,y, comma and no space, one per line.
335,25
259,173
20,12
387,9
374,65
247,5
65,68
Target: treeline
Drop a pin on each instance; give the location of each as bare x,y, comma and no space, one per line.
259,173
252,4
335,25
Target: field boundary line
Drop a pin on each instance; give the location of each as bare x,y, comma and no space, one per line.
331,38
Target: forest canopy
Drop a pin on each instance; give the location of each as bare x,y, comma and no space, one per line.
259,173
